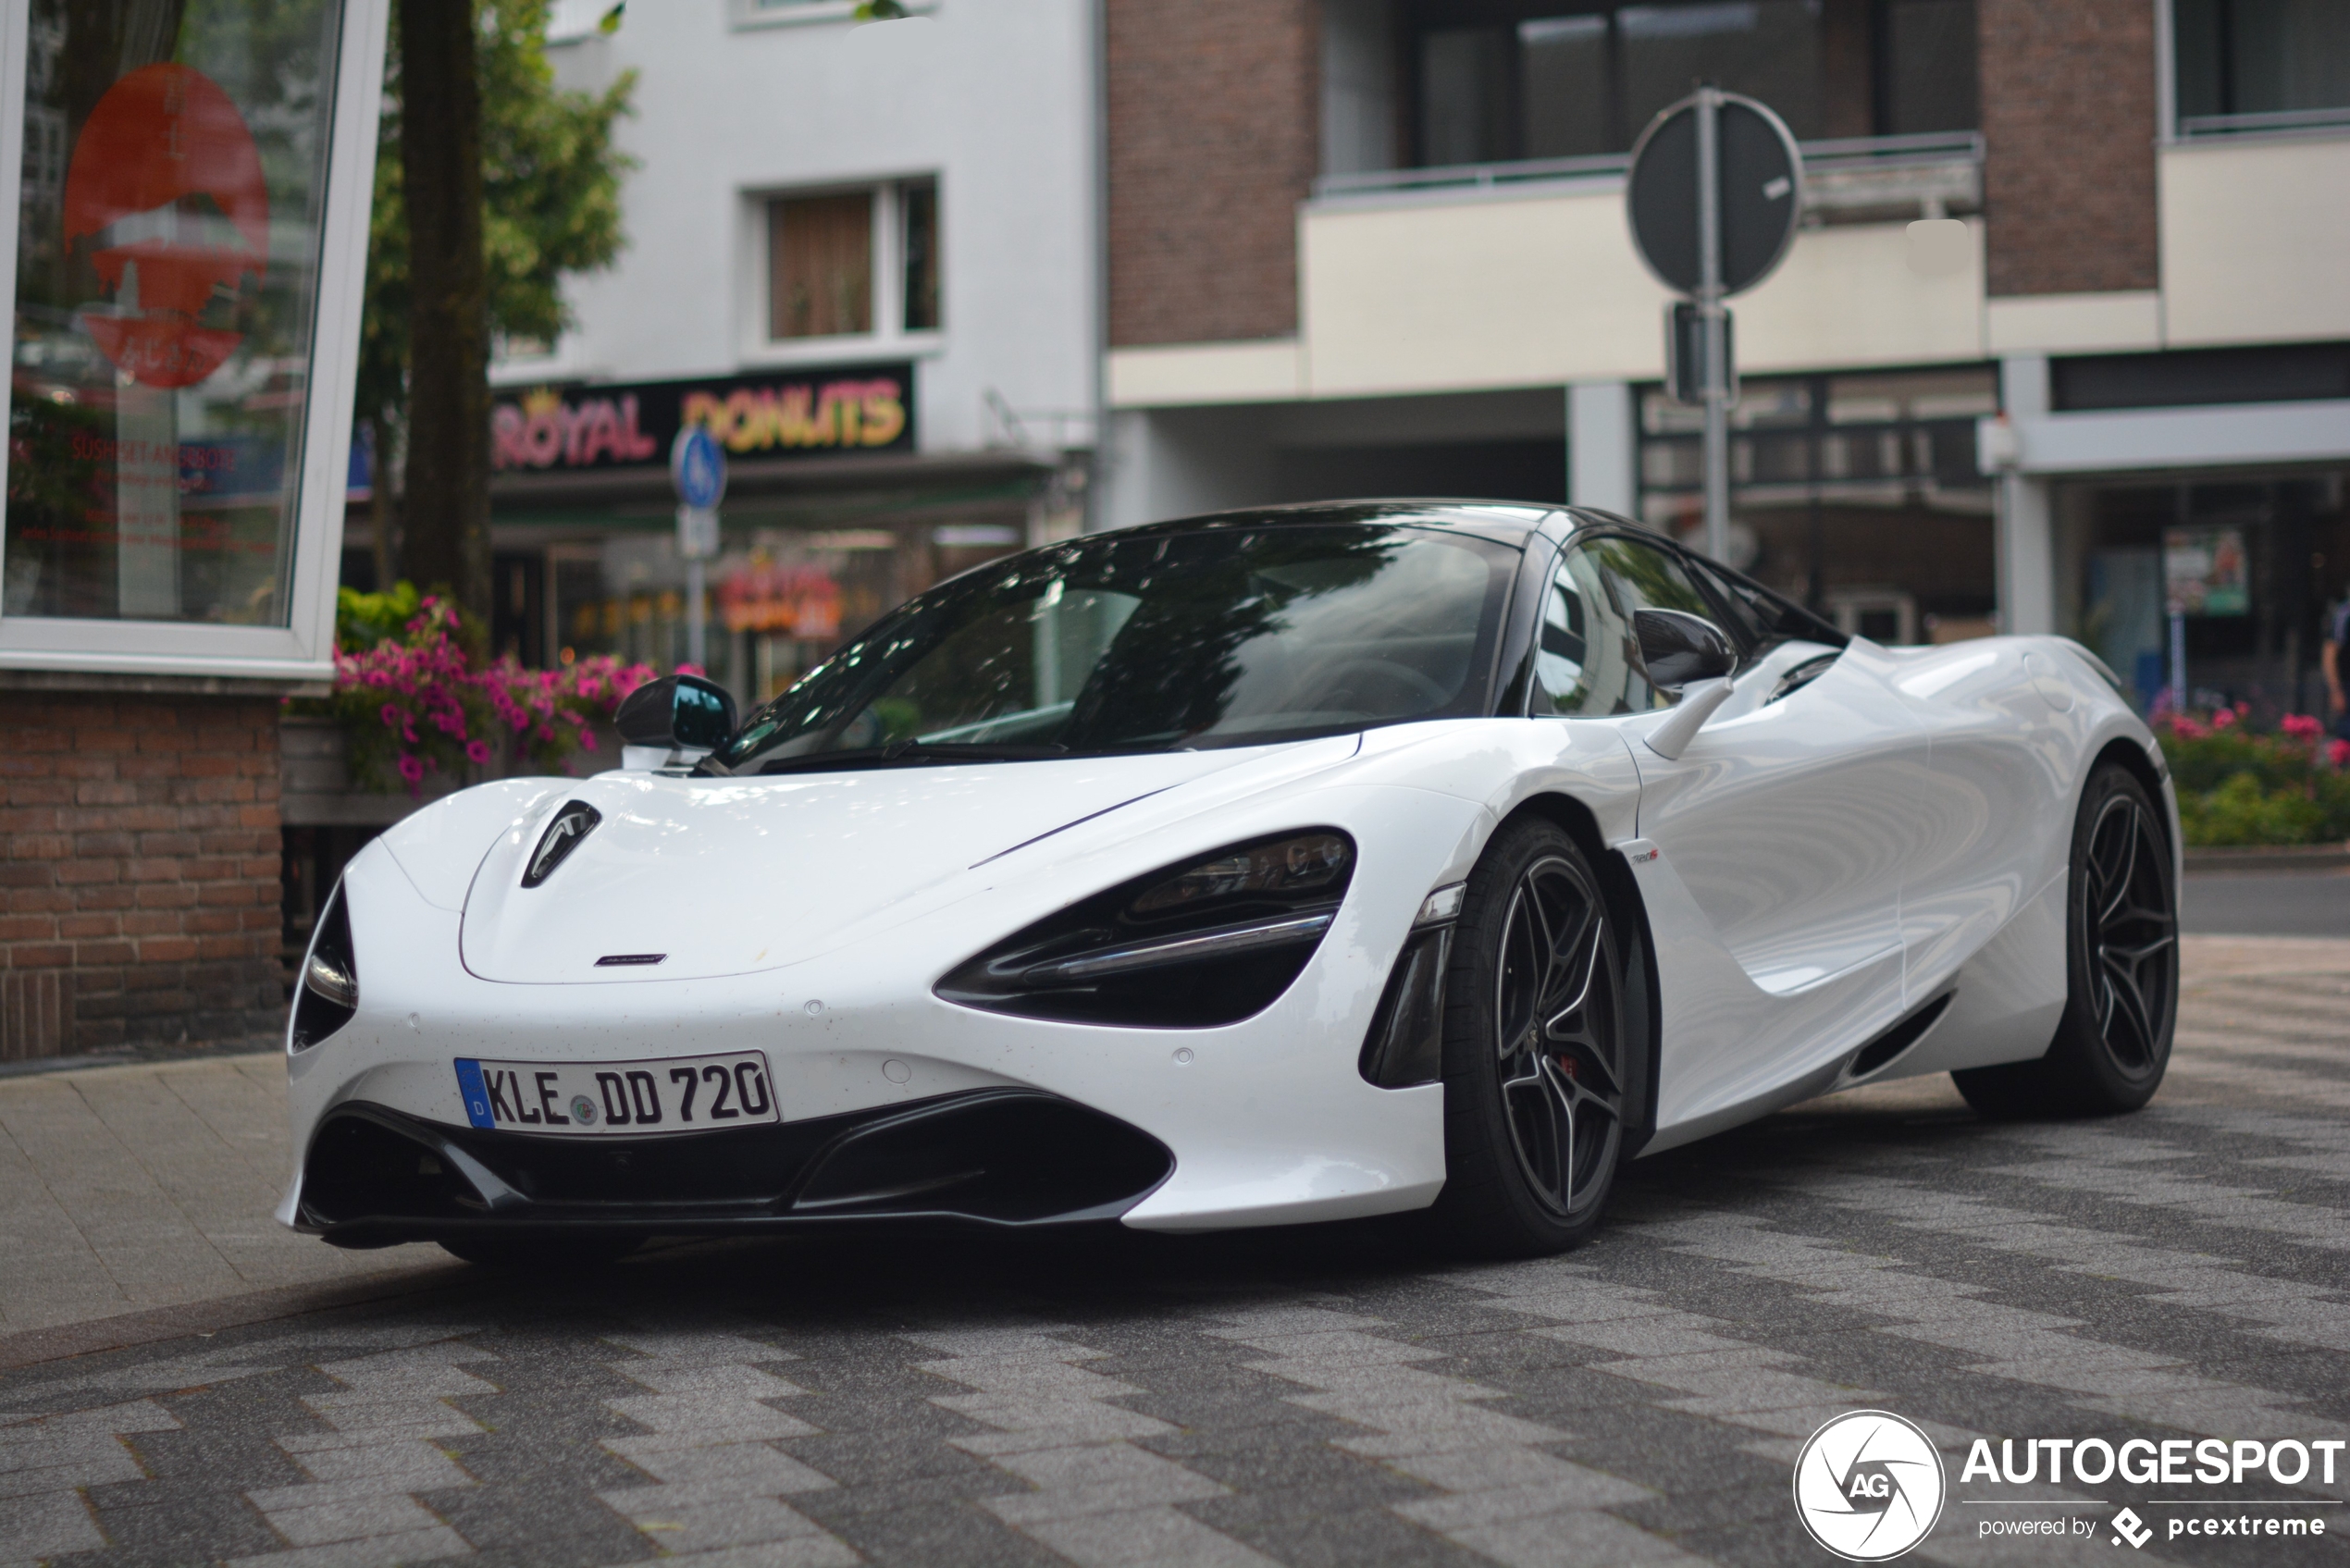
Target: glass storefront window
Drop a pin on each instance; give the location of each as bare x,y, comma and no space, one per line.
1857,494
167,261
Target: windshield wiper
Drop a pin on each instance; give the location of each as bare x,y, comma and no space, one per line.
911,752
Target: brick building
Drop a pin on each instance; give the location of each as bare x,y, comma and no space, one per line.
1378,246
191,203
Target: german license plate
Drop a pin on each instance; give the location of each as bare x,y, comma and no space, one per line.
619,1099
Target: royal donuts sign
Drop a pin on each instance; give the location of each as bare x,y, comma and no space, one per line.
799,414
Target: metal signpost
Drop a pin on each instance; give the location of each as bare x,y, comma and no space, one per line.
1715,187
697,467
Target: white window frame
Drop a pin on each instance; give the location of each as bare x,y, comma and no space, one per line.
303,648
889,339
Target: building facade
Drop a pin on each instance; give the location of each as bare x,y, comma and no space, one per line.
189,190
864,256
1379,247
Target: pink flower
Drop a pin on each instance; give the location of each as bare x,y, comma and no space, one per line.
411,769
2301,726
2223,718
391,715
588,740
477,751
2187,729
2338,753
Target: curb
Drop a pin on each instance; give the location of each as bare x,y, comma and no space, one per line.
31,1347
2284,857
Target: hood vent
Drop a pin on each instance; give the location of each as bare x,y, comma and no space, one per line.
573,822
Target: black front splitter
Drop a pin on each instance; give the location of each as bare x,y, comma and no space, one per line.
992,1159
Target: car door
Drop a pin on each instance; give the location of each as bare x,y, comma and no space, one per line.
1780,833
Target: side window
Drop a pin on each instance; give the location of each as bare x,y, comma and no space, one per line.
1588,664
1585,665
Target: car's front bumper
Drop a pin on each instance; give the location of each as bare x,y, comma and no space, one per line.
992,1157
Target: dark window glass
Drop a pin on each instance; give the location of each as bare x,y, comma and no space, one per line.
1216,638
1927,75
1550,78
1564,82
1767,49
2261,57
1465,96
921,240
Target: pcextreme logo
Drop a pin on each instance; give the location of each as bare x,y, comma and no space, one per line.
1869,1485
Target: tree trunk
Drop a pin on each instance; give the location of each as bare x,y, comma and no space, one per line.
445,545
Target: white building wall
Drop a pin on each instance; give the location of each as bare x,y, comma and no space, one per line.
736,102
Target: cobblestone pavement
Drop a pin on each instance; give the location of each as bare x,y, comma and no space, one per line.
1320,1398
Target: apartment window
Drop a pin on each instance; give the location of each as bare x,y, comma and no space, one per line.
821,266
2260,57
1554,78
854,264
919,203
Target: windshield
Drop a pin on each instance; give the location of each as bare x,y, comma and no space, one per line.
1226,636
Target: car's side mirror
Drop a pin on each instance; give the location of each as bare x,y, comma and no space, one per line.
1679,647
678,719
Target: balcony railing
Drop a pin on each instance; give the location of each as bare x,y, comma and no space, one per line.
2200,126
1928,175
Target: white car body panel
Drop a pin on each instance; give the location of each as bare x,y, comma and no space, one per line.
1810,871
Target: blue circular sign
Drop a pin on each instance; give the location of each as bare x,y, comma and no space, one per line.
698,466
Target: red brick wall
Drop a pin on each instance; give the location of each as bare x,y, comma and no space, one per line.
139,864
1215,136
2069,127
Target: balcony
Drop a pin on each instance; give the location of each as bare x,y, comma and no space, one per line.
1862,179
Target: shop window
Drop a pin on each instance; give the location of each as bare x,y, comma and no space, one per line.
854,264
1856,494
169,248
1553,79
2245,58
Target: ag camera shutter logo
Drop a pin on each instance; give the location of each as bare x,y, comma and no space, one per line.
1869,1485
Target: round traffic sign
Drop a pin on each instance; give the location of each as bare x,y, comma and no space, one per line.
697,466
1761,175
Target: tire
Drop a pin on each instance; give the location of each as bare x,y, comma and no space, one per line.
2121,968
1537,1058
541,1252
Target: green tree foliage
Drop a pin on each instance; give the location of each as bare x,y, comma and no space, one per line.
550,206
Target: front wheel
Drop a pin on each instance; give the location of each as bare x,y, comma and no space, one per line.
1536,1054
2121,967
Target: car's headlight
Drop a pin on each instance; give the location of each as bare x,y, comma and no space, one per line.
1192,945
329,993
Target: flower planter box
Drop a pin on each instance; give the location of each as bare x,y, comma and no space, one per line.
314,788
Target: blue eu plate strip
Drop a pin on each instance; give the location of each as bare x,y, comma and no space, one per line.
477,1097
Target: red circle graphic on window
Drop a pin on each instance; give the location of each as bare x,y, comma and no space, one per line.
165,183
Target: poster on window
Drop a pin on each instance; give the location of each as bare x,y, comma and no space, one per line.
167,254
801,413
2205,572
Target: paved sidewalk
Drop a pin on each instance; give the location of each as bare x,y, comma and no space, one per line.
128,1188
151,1185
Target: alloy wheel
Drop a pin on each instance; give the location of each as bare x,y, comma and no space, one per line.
2133,934
1558,1035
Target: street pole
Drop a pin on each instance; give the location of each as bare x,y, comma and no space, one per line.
696,633
1710,312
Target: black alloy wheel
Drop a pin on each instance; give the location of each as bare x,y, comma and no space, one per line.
1537,1056
2122,929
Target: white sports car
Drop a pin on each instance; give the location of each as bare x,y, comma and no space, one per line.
1289,865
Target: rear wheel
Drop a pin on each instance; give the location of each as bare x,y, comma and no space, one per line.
1537,1056
2122,963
